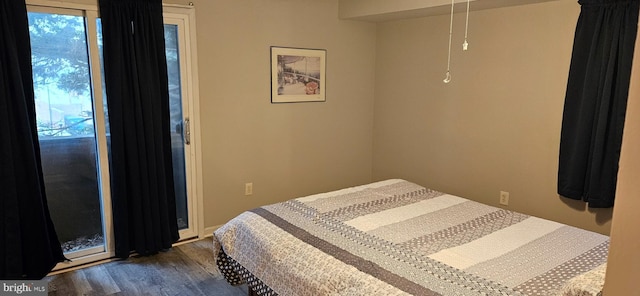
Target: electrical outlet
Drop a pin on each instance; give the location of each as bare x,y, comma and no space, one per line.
504,198
248,188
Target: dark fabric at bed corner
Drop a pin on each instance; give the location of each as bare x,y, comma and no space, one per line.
596,99
29,246
235,274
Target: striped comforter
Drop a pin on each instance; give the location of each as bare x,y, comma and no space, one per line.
397,238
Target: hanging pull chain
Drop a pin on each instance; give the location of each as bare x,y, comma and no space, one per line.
447,78
465,45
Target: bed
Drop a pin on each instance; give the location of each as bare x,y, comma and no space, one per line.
395,237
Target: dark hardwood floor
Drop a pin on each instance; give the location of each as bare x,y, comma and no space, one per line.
187,269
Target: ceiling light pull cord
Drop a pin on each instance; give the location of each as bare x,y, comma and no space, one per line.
465,45
447,78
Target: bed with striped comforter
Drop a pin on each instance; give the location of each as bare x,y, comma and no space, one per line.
397,238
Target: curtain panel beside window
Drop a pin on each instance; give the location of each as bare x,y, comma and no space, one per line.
29,247
143,194
596,100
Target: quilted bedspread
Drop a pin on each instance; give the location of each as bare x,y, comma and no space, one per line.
398,238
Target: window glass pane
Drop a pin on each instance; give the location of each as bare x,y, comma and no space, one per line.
64,113
175,105
60,75
104,89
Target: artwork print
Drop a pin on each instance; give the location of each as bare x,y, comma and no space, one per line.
297,75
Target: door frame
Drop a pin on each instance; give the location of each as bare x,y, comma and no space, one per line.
184,17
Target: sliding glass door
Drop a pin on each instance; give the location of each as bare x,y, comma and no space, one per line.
73,151
73,129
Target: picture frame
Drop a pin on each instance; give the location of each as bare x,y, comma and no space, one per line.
298,75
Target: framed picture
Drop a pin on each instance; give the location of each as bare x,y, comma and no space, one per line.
298,75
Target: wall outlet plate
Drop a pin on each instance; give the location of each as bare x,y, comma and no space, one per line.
248,188
504,198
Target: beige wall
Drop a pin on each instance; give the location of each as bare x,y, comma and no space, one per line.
496,126
623,264
286,150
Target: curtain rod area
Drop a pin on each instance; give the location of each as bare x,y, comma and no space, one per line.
75,5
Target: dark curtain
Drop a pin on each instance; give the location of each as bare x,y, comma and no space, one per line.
596,100
29,246
143,197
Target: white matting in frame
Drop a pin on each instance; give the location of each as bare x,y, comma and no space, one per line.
298,75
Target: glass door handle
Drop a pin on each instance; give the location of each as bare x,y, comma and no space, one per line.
187,131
